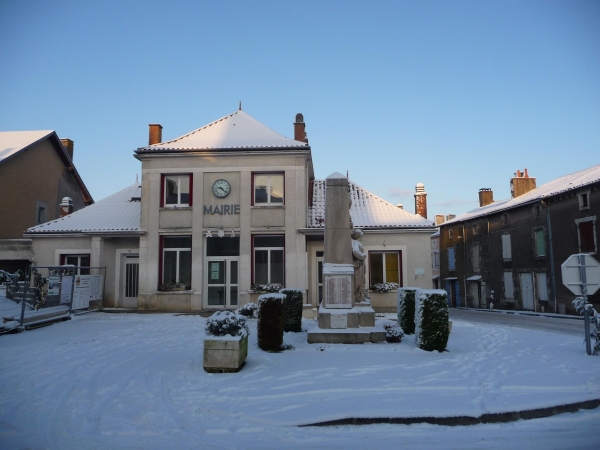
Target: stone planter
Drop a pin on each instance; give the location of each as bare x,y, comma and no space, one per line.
225,354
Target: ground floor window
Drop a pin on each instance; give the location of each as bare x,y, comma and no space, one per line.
81,261
177,260
268,261
384,267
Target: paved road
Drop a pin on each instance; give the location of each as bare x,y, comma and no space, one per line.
572,326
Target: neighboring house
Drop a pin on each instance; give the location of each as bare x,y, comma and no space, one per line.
222,210
36,174
435,250
105,234
515,248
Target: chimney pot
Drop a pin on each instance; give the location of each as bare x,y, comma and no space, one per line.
420,200
155,135
300,129
68,144
486,197
66,206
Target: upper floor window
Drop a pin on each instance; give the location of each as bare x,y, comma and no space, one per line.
584,199
435,258
451,259
536,212
506,247
504,219
176,190
268,189
539,242
384,267
587,234
450,233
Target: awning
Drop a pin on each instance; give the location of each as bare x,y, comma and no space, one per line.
450,278
474,278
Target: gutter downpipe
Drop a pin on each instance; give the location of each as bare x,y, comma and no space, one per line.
552,274
465,264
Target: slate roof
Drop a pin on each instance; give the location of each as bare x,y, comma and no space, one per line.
367,210
119,212
555,187
237,131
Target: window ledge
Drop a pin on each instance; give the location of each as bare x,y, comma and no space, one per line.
268,207
190,291
175,208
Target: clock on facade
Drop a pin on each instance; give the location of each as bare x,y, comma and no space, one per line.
221,188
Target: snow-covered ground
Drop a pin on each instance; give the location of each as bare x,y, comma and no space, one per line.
113,381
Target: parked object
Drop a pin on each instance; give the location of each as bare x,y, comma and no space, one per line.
227,347
292,310
431,320
270,322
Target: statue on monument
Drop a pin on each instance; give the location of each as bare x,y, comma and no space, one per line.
358,257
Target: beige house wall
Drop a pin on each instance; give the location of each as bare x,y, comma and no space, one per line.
33,175
416,264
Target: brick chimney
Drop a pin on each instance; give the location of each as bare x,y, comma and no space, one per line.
521,184
300,129
155,134
68,144
420,200
66,206
440,219
486,196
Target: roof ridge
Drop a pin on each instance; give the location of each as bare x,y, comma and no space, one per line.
197,129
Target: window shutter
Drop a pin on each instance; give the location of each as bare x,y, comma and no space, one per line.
509,291
506,249
586,237
451,260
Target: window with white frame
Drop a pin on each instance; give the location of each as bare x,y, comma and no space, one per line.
176,190
435,257
385,267
268,189
269,251
177,260
82,262
586,230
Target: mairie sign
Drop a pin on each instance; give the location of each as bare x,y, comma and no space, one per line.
221,209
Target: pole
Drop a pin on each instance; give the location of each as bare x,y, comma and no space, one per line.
23,299
586,313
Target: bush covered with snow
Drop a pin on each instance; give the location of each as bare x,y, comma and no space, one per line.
248,310
269,287
224,323
393,333
406,308
382,288
270,322
431,320
292,310
581,304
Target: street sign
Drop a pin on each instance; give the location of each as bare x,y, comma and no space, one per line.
581,274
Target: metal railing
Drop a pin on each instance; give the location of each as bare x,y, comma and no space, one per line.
49,294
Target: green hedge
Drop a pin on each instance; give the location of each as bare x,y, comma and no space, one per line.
270,322
431,320
406,308
292,310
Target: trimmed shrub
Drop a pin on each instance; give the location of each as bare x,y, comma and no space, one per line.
292,310
406,308
248,310
223,323
431,320
270,322
393,333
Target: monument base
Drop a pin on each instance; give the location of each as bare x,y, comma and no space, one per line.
346,326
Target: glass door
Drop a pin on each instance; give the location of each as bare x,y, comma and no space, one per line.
222,282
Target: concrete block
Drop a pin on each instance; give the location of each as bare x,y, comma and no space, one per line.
225,353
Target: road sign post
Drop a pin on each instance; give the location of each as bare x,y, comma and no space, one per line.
581,275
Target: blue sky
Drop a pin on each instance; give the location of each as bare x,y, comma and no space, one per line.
457,95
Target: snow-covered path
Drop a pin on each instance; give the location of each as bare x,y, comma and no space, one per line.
136,381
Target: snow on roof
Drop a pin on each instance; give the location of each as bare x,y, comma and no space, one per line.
235,131
117,213
12,142
367,210
562,184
